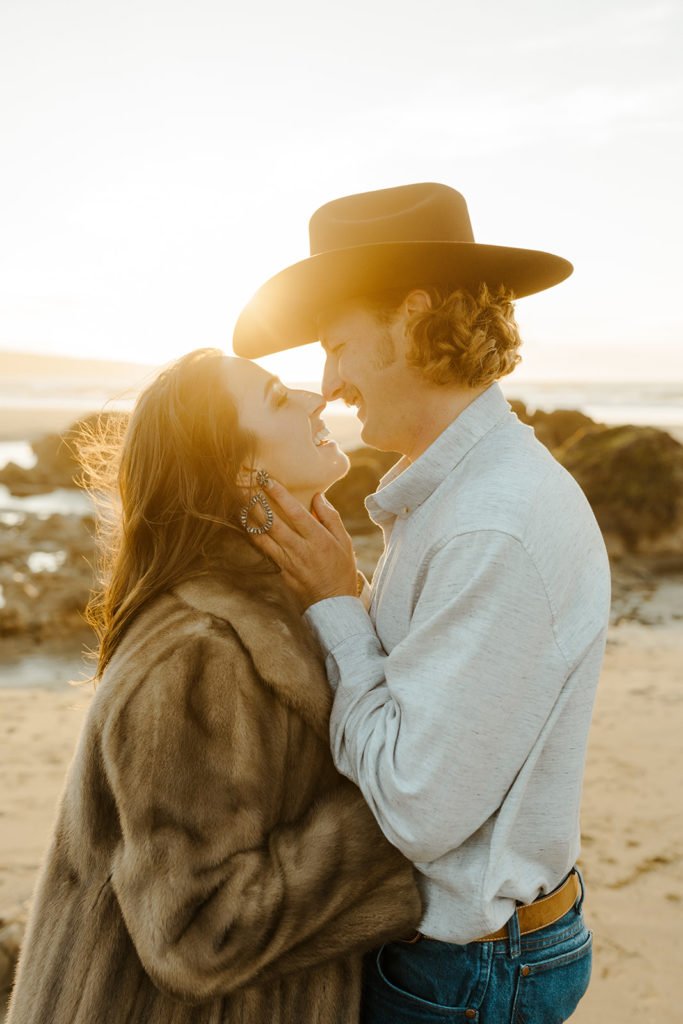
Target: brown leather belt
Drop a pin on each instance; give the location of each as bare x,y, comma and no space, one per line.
534,916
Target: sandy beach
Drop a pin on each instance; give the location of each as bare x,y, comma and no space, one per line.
632,825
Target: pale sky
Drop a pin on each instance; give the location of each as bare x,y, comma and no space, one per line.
160,159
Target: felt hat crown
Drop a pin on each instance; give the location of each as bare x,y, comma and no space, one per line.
408,236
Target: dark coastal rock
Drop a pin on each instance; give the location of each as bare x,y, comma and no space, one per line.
45,574
558,428
56,460
57,463
56,467
348,495
15,478
633,478
554,429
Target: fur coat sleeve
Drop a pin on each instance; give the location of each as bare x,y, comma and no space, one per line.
243,855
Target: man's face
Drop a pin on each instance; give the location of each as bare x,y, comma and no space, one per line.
366,367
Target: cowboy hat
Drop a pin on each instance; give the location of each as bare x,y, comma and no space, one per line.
406,236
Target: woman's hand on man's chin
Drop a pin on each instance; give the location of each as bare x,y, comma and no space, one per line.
314,552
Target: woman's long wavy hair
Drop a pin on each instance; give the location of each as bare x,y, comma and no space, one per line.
165,486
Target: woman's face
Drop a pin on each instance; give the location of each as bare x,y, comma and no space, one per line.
291,437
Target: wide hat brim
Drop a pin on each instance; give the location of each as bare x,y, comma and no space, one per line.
284,311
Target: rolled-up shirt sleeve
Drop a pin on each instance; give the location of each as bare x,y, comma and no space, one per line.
435,731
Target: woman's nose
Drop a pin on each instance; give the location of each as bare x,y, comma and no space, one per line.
315,402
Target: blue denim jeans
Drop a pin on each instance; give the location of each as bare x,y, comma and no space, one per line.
530,979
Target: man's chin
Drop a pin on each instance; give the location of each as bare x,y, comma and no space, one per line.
370,436
366,434
372,439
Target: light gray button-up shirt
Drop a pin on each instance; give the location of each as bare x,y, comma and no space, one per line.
463,696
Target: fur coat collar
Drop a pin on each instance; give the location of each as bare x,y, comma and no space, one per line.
265,618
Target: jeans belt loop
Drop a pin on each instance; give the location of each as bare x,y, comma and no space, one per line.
579,902
514,936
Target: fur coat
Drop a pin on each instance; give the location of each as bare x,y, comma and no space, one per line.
208,863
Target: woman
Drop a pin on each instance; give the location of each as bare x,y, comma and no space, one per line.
208,863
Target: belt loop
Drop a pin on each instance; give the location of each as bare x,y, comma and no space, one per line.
513,936
579,901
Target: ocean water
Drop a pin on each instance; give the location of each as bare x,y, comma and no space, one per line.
19,452
61,502
612,403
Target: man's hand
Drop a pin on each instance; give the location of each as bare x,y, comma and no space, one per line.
315,555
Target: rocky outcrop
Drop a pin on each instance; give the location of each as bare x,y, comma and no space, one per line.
55,468
556,428
56,460
633,478
45,574
348,495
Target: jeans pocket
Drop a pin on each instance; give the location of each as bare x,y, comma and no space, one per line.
392,995
548,991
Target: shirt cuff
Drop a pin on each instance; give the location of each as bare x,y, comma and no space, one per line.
336,619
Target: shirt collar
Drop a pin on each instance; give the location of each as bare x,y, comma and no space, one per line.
407,484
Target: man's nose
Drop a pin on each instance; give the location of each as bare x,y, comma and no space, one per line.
332,385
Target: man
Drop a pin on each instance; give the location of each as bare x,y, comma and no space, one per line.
463,694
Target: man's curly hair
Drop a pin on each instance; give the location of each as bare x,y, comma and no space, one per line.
463,339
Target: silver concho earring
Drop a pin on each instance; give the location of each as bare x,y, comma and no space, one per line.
259,498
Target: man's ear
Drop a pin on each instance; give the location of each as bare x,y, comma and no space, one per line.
417,301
